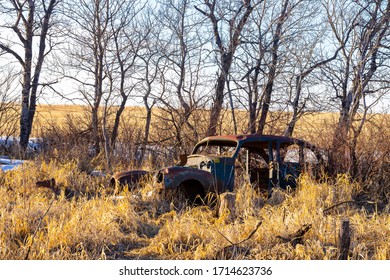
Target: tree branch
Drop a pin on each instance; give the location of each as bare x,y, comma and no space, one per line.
13,53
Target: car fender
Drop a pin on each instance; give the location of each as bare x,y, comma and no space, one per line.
131,178
173,177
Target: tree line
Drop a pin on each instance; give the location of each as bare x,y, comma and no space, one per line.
294,56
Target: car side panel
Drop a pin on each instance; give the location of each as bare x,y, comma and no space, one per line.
176,175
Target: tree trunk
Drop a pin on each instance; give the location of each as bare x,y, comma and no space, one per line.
266,101
27,68
267,93
95,131
218,103
118,115
291,125
226,54
30,82
253,99
146,135
294,118
232,107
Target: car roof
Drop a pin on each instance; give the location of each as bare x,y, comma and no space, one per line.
258,141
254,138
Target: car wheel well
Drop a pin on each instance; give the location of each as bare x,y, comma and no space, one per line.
193,191
113,182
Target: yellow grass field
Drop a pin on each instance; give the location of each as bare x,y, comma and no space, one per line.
313,127
82,218
47,115
141,224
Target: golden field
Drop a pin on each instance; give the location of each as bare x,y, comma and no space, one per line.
316,128
309,126
141,224
82,218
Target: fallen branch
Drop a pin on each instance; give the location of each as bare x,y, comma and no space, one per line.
249,236
296,238
345,202
230,251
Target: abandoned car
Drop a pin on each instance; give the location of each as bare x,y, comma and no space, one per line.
266,161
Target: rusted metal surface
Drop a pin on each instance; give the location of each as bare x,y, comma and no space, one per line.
172,177
214,160
130,178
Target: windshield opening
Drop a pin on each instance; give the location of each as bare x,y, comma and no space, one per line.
216,148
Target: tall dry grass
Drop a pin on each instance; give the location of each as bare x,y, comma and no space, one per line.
81,218
37,223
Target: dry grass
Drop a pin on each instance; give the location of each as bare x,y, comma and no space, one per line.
82,219
35,223
308,127
47,115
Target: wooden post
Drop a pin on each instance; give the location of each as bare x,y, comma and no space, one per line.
344,239
227,207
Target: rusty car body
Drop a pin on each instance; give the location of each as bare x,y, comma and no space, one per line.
266,161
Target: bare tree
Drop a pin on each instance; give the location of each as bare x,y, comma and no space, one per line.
307,64
279,52
129,39
151,71
26,20
357,73
261,62
227,21
100,55
184,58
272,66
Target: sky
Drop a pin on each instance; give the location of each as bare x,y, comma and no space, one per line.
69,88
